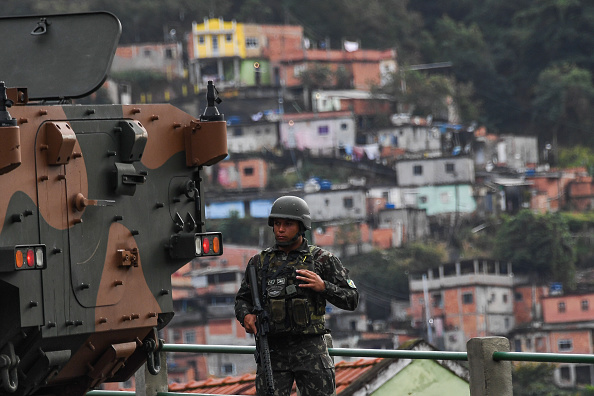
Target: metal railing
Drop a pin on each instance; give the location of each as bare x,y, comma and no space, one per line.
489,361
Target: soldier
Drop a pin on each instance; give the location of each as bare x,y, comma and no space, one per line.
295,281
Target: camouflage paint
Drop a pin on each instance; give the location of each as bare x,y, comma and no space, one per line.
107,283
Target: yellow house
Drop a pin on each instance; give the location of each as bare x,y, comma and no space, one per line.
216,38
229,53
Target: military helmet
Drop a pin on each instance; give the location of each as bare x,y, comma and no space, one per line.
290,207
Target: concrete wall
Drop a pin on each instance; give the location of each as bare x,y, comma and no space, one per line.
335,205
320,133
435,171
412,138
247,138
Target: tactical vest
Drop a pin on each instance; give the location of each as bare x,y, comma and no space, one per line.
291,309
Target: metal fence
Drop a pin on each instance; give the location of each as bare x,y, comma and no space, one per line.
489,360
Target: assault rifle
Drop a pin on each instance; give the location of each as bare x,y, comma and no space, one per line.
262,354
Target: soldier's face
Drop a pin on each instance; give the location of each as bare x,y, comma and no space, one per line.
285,229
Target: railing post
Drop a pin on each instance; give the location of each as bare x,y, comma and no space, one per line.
148,384
487,376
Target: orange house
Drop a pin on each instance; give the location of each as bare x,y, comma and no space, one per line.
242,174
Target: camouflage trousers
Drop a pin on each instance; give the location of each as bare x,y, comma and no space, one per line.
300,359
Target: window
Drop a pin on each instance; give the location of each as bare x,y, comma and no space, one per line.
585,305
518,345
561,307
249,171
505,298
215,42
565,345
147,53
237,132
189,337
168,53
215,279
437,300
450,167
201,39
565,373
506,322
467,298
228,369
175,336
347,202
518,296
343,126
228,38
528,343
323,130
423,199
251,42
418,170
582,375
539,344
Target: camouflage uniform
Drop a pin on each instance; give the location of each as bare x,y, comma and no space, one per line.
297,347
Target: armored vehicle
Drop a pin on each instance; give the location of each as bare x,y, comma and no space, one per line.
99,205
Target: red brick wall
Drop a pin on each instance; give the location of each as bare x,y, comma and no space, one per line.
573,308
365,75
581,340
220,326
251,173
282,40
382,238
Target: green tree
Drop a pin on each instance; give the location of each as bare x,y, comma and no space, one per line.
536,379
473,64
538,244
376,23
577,156
316,76
382,277
383,274
563,99
241,231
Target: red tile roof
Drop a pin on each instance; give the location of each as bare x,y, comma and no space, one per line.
346,373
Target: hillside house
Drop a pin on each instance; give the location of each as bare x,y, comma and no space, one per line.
242,174
166,58
239,54
418,172
580,193
332,205
509,151
470,298
252,137
550,189
408,224
409,137
322,134
439,185
565,325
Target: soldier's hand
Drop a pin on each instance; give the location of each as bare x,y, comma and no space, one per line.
311,279
249,323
